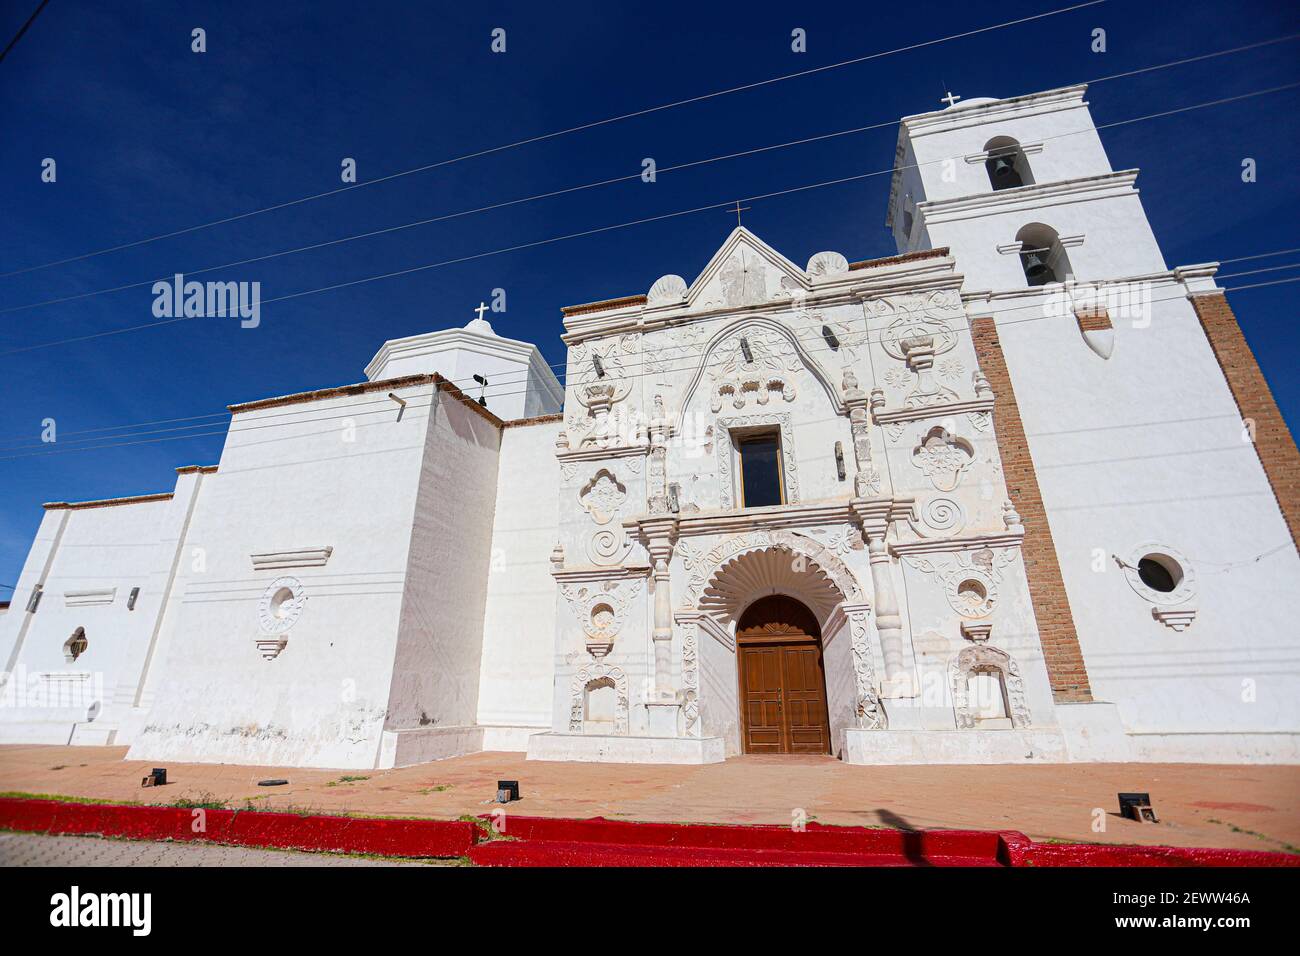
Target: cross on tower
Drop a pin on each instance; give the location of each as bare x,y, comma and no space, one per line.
738,210
482,307
950,99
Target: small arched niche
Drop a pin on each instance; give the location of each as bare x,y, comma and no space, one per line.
1007,165
1042,257
600,706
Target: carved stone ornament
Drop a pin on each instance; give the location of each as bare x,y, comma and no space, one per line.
600,387
919,314
943,458
737,375
281,605
943,516
667,290
602,496
870,715
591,673
827,264
969,579
601,610
982,657
703,567
690,694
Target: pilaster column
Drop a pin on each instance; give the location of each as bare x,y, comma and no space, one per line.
659,535
657,472
867,480
875,515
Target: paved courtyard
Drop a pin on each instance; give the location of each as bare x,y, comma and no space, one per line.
29,849
1243,807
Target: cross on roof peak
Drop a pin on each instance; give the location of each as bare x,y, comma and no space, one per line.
951,99
737,210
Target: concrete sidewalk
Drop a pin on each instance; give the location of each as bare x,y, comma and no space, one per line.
1241,807
35,849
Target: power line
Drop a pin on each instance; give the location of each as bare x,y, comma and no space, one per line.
584,186
1251,272
25,27
556,134
563,365
602,229
636,375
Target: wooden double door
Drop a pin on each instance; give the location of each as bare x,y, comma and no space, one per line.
782,679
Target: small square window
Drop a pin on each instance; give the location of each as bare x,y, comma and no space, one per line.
761,480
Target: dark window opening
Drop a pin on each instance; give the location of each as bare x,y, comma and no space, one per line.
760,471
1156,576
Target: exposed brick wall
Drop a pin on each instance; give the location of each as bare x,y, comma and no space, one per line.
1093,320
1273,441
1056,631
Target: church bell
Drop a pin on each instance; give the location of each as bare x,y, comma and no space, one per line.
1004,172
1036,270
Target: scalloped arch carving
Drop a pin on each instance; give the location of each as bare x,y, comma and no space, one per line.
770,326
743,568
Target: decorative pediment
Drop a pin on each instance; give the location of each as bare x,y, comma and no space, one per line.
746,271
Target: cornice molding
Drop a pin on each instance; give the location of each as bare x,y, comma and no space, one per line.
883,417
757,519
591,572
969,542
597,453
1118,184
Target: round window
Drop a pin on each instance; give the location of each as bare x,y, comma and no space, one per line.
1156,575
1159,574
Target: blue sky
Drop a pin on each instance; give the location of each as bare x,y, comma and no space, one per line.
149,138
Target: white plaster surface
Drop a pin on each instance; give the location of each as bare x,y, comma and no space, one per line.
457,585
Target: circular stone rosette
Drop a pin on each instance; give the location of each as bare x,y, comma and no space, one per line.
281,605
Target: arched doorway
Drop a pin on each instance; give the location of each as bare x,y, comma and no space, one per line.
782,679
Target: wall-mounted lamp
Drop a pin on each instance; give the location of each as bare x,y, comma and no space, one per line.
674,501
482,398
131,599
831,338
839,459
600,369
744,347
34,600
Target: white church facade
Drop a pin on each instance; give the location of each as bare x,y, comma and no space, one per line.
1017,493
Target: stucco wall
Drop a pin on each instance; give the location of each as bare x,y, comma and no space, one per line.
1148,447
435,679
340,473
105,551
519,620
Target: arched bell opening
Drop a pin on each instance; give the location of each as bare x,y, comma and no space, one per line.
1007,166
1042,257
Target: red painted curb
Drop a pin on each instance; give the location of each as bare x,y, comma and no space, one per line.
545,841
542,841
288,831
815,838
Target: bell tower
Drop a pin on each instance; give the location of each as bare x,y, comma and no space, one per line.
1021,191
1133,424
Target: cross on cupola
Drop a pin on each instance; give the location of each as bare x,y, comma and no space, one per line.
482,307
951,99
